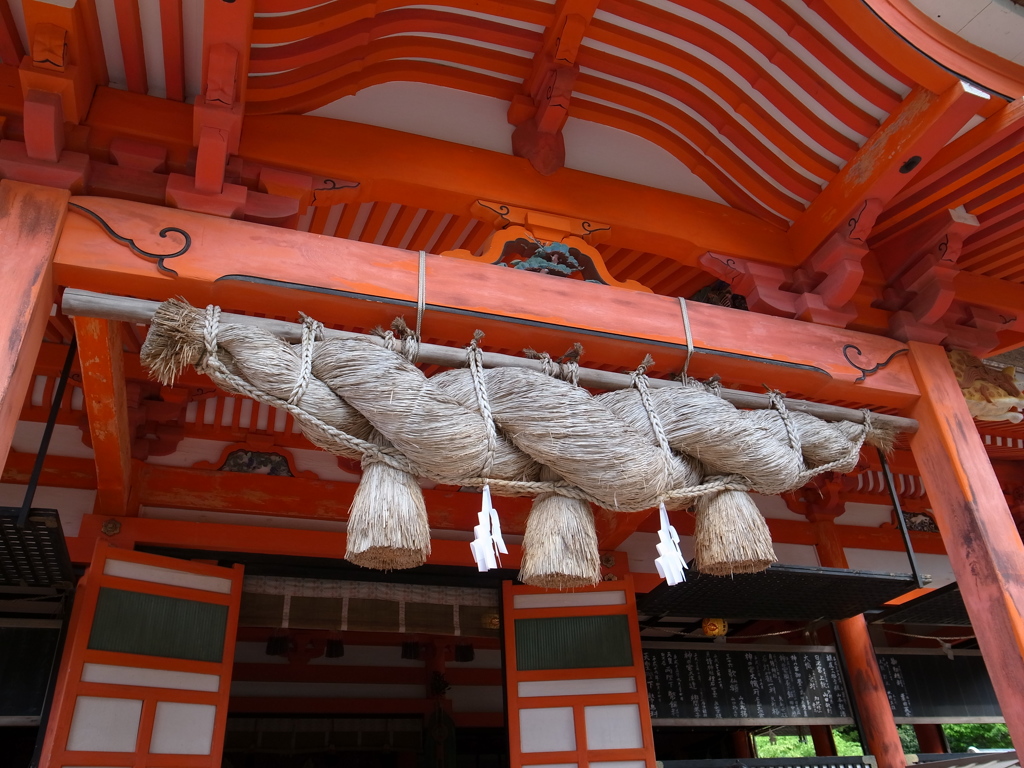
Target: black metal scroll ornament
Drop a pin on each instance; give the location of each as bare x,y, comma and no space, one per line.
865,372
159,258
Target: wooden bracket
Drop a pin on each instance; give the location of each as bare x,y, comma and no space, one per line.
821,289
540,111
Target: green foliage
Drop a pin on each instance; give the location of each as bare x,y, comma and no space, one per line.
847,745
980,735
784,746
960,737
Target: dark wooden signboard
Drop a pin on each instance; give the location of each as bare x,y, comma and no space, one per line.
933,688
730,685
738,687
26,660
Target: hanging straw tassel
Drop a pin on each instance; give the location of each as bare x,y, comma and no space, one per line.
387,522
560,545
731,536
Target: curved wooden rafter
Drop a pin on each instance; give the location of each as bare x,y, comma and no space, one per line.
712,82
312,56
404,21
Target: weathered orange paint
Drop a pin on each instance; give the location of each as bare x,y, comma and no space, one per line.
985,550
332,279
106,404
30,222
920,127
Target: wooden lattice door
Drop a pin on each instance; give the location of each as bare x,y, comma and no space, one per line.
577,694
146,671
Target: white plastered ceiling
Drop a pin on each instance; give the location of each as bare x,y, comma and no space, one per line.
995,25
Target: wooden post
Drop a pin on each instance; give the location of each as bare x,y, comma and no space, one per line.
930,739
824,741
106,403
985,549
741,746
880,734
30,221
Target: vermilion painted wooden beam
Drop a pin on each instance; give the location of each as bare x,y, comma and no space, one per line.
218,537
348,283
160,486
420,175
885,164
106,403
30,221
964,149
984,547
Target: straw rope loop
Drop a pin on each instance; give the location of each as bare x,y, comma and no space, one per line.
778,404
476,370
639,377
312,331
210,327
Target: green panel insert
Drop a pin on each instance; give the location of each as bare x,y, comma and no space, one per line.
154,625
573,642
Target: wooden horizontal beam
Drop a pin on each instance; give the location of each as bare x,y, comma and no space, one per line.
393,166
76,303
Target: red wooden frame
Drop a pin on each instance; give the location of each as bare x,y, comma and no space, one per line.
582,756
77,654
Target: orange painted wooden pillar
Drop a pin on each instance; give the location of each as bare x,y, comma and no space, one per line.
741,746
930,740
30,221
824,741
868,690
984,547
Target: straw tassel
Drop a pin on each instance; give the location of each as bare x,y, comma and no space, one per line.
731,536
387,522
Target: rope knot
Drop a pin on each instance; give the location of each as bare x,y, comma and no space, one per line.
312,331
475,358
211,325
639,377
778,404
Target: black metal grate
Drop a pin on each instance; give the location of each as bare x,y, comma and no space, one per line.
785,592
33,556
943,607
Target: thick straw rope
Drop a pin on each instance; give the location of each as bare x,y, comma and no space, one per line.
605,448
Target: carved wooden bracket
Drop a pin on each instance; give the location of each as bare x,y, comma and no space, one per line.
540,113
920,266
542,242
820,290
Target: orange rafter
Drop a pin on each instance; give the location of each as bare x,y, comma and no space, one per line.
275,30
788,103
106,403
753,146
709,80
730,191
129,30
11,49
404,21
356,77
306,81
801,72
708,144
922,125
823,50
171,26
